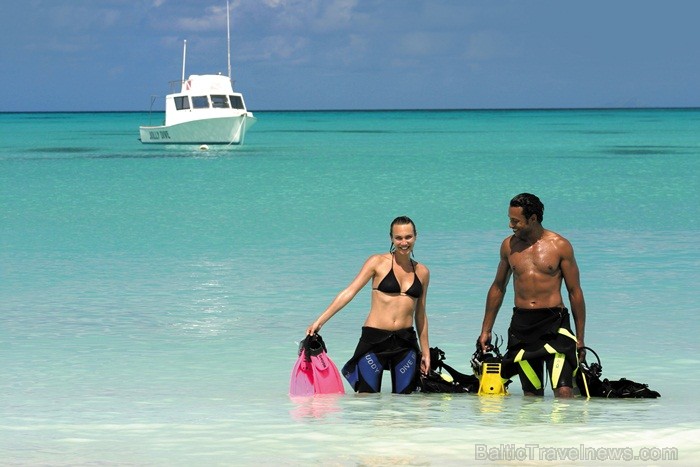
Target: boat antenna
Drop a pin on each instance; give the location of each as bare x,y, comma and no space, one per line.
184,54
228,38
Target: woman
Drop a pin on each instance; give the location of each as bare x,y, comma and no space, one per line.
388,340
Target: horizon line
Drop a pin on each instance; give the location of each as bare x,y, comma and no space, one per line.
456,109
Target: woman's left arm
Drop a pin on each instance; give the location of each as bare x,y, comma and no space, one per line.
421,318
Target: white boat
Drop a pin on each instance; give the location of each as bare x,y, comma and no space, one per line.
205,111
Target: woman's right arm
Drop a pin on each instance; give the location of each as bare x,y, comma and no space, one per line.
347,294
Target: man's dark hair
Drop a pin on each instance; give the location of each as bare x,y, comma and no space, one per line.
530,203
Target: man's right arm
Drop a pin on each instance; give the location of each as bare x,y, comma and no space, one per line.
494,297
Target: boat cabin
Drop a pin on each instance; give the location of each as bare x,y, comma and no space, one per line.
213,101
203,94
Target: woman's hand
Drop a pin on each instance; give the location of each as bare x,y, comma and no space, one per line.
425,363
313,328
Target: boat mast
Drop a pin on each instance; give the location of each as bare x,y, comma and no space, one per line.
184,54
228,39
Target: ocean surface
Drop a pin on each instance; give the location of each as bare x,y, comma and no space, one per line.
152,298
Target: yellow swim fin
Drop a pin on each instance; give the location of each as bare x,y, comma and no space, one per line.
491,382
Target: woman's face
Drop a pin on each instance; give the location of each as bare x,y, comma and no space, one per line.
403,237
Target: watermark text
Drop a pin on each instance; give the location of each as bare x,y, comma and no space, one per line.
533,452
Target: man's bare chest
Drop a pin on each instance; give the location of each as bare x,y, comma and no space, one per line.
534,260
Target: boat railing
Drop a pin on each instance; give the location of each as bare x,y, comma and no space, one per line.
176,85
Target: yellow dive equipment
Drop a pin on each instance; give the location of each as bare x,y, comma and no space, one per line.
490,382
487,367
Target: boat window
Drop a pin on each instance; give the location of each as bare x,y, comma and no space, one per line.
200,102
237,102
182,102
219,102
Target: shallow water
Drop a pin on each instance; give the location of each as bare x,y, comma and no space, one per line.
152,298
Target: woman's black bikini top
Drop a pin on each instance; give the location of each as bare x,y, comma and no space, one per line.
390,285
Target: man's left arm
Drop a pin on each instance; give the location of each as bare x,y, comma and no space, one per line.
570,273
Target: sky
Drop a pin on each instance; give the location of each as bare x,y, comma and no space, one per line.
113,55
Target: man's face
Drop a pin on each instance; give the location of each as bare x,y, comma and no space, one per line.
518,223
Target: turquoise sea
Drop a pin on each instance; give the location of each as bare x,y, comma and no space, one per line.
152,298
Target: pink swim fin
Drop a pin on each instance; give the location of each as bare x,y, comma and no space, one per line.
301,383
326,377
314,372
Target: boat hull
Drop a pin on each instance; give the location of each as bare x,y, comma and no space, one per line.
221,130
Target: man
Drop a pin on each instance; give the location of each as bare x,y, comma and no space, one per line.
539,333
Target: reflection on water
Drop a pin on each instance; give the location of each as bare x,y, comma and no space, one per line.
491,404
318,406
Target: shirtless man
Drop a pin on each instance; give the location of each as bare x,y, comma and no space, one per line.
539,333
